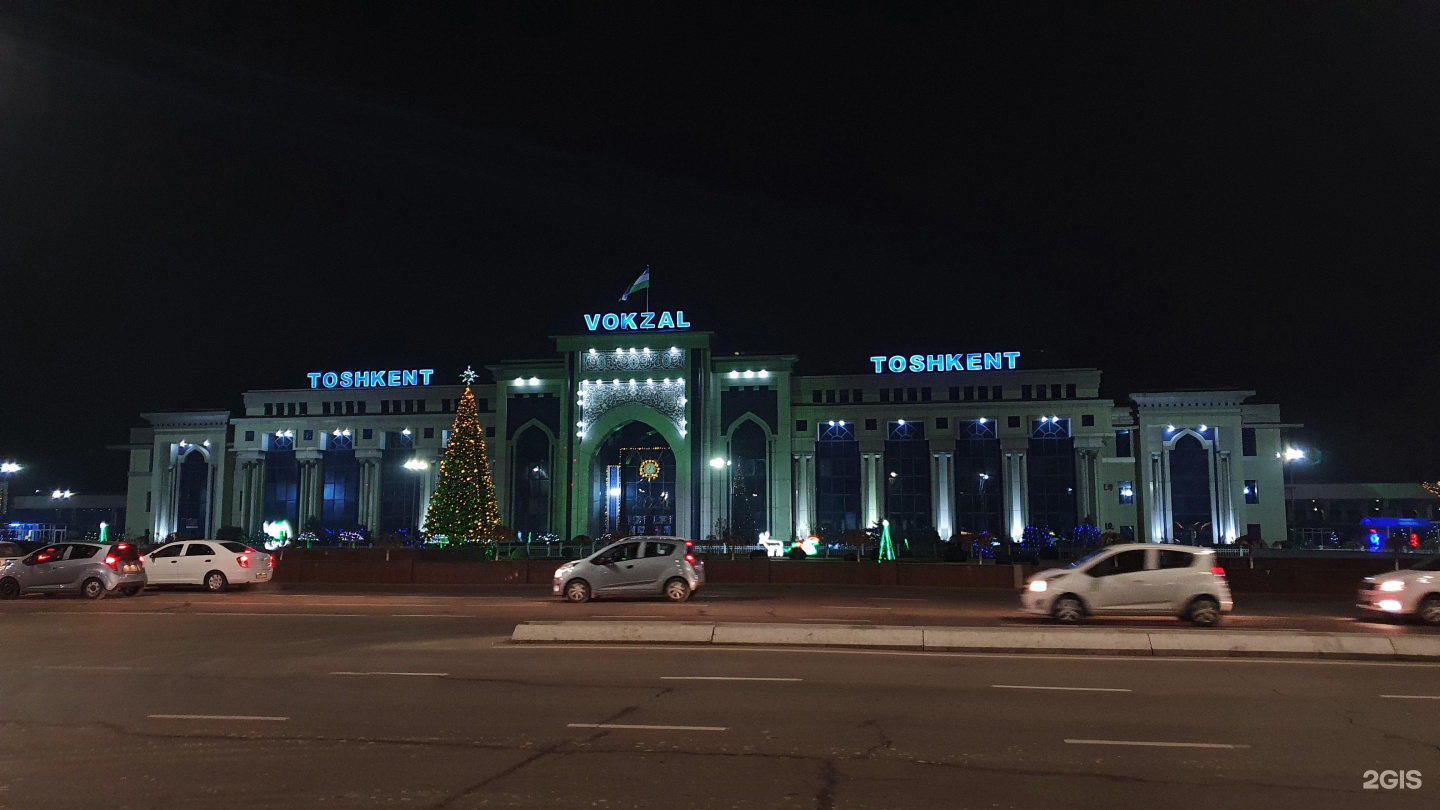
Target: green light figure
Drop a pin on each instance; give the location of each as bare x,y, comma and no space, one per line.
887,546
104,532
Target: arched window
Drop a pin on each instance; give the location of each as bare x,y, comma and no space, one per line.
837,481
749,491
530,475
1190,491
192,496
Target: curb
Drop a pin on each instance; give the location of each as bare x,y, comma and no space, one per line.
1075,641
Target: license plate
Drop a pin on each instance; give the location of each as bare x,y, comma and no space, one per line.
262,575
131,568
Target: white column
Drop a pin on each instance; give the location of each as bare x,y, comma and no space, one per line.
1015,489
942,493
872,467
803,487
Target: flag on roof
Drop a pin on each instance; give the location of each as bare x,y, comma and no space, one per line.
641,283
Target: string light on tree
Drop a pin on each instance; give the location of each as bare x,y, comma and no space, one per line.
463,506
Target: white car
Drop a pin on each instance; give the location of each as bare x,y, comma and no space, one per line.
212,564
9,551
1413,592
1133,578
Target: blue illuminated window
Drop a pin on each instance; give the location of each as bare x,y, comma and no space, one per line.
1252,492
1126,493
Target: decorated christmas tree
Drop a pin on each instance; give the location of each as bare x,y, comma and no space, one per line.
463,505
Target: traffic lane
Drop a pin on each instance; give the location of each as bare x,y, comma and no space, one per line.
824,604
848,712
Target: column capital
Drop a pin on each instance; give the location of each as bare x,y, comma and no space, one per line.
369,454
309,455
247,456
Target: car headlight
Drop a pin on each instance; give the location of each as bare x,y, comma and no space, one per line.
1039,586
1392,585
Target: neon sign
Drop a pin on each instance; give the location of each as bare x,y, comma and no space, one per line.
371,379
975,361
635,321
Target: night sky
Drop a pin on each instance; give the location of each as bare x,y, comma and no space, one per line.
201,198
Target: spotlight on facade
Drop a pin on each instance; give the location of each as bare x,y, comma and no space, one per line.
10,468
417,464
1169,428
1294,454
717,462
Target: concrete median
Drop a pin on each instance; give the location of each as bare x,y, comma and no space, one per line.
1187,642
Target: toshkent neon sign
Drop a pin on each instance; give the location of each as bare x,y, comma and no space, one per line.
636,321
402,378
974,361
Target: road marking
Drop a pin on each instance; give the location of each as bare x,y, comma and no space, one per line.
630,616
427,674
213,717
90,668
1412,697
1058,688
720,678
895,599
647,728
257,613
856,607
1155,744
825,621
430,616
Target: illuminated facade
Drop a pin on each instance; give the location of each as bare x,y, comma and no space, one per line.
627,430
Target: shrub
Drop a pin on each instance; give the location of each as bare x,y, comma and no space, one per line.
796,553
230,534
759,554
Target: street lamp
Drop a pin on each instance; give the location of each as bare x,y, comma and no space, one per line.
1290,454
984,515
7,470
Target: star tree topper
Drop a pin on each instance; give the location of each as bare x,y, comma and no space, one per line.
468,375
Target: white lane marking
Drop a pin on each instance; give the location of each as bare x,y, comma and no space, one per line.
647,728
1058,688
895,599
1155,744
431,616
856,607
258,613
631,616
98,613
213,717
79,667
1412,697
833,621
425,674
247,603
720,678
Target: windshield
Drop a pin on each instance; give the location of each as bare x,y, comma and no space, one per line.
1432,564
1087,558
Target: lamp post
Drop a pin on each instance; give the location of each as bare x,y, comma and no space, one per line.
7,471
1289,455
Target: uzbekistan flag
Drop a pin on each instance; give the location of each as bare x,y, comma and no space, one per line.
641,283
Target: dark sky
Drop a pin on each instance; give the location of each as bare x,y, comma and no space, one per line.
200,198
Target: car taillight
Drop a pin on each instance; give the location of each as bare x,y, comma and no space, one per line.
244,560
690,558
270,558
1217,571
111,560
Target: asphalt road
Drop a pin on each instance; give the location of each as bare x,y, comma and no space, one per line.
497,608
283,699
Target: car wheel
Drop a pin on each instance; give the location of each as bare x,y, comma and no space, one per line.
1068,610
9,588
1203,612
677,590
577,590
215,582
92,588
1428,612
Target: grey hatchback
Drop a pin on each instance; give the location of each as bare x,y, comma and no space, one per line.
89,569
635,566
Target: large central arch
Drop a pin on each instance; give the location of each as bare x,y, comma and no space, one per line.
629,425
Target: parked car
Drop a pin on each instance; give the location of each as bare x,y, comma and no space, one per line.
1412,592
92,570
635,566
10,551
212,564
1133,578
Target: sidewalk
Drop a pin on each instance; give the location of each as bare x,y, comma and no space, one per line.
1180,642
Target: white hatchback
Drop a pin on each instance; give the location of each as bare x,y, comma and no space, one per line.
1412,592
1133,578
213,564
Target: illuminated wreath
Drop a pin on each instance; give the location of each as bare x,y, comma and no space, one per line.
649,469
